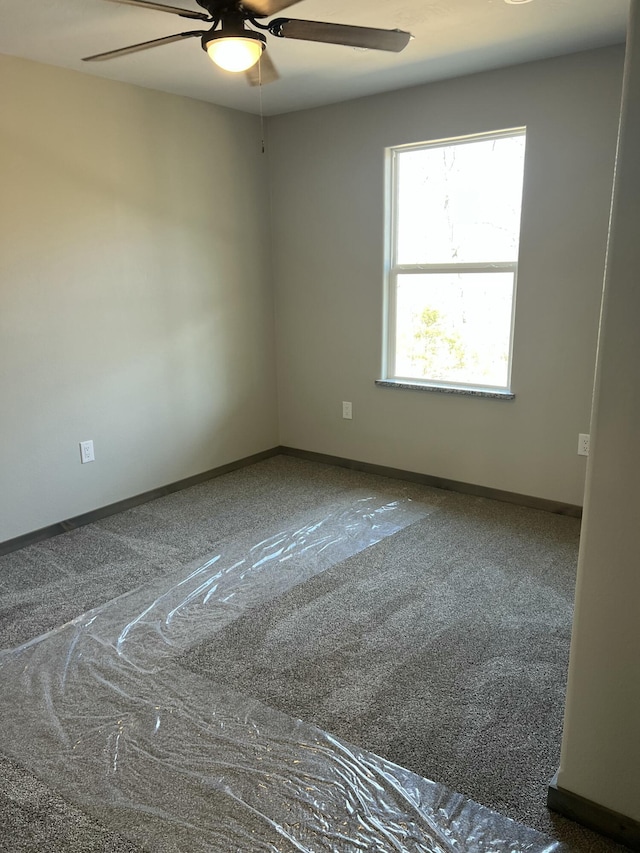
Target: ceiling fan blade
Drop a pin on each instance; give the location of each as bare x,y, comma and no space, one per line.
266,8
134,48
262,72
161,7
366,37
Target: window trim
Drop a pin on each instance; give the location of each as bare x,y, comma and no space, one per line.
392,270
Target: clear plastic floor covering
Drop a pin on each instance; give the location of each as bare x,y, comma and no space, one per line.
102,711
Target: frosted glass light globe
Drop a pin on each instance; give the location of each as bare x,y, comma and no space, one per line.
235,54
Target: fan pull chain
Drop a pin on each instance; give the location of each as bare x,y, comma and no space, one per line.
261,110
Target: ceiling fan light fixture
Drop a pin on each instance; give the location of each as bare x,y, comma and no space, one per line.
236,53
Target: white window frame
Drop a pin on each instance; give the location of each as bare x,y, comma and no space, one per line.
394,269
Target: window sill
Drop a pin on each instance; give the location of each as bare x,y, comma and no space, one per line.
446,389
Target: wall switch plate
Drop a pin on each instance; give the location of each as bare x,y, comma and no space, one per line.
583,444
347,410
86,452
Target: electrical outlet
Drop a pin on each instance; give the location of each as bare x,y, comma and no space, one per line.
583,444
86,452
347,410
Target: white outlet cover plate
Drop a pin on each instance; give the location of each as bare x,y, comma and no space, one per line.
583,444
86,452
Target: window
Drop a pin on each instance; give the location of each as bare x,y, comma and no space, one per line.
453,238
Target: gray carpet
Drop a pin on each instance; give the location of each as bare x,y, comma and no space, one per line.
49,583
443,648
35,818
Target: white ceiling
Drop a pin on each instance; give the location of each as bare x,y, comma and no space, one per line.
452,37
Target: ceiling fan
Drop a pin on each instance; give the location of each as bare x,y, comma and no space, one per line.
235,47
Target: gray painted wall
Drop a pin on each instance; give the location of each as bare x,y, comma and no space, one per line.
327,168
601,743
136,306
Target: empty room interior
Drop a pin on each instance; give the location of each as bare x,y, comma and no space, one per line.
318,460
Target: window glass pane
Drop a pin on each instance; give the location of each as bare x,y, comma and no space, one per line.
454,327
460,202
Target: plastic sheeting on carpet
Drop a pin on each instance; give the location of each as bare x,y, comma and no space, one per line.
102,711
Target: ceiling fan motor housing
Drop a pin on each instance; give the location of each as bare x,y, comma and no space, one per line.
222,8
231,18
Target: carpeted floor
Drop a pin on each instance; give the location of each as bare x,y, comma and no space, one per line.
442,648
35,818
